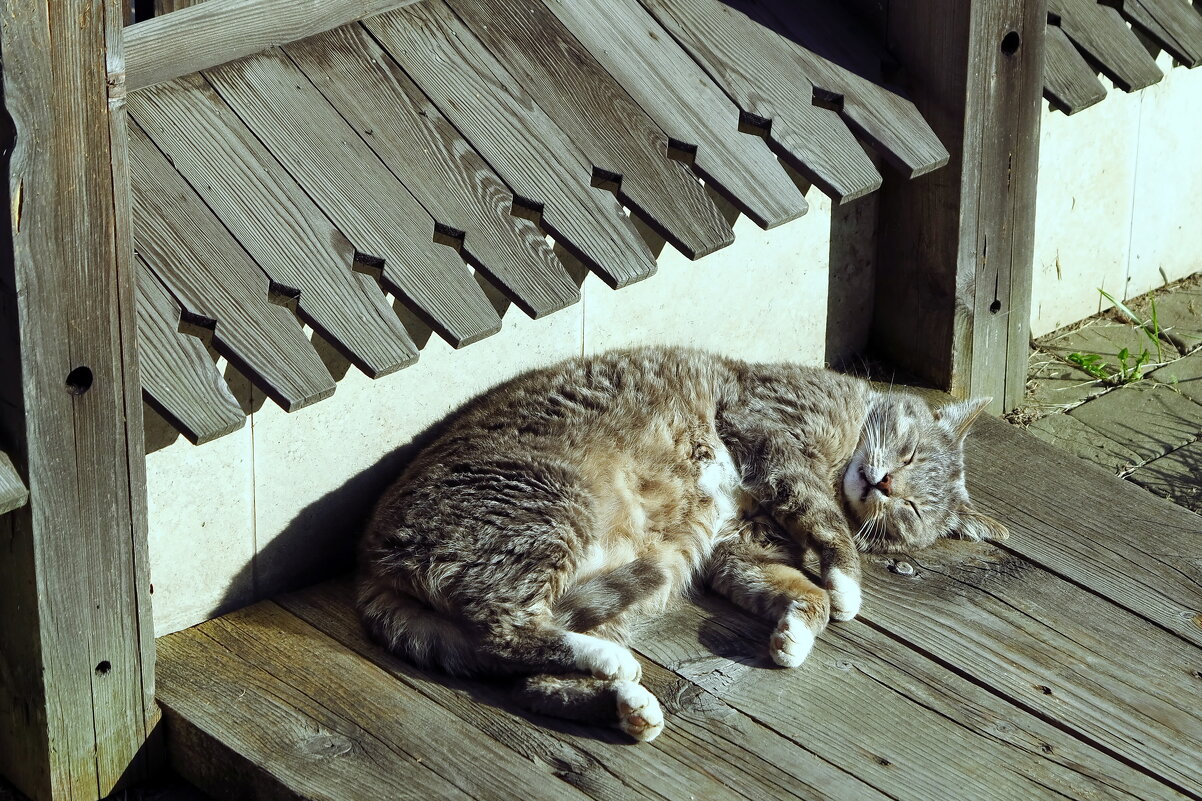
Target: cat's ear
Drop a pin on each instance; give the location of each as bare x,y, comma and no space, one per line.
958,417
969,524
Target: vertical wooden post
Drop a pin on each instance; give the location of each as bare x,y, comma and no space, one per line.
76,646
956,246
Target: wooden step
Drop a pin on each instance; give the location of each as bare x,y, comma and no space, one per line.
1064,664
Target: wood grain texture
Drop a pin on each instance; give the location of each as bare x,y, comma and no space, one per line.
1106,675
623,144
76,658
695,114
177,372
1069,83
196,37
309,700
13,493
450,179
955,247
277,223
1176,25
845,60
517,138
217,283
886,714
709,749
365,201
1135,549
757,68
1100,32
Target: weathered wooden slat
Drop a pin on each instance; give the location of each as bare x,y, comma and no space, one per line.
1175,25
756,68
709,750
838,53
622,142
13,493
431,157
358,193
1069,83
525,146
177,372
209,34
214,279
635,49
1100,32
888,715
1101,532
275,221
378,737
1101,672
76,657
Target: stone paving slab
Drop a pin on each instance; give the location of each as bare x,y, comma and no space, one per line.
1072,436
1185,375
1053,385
1176,476
1106,338
1179,315
1149,418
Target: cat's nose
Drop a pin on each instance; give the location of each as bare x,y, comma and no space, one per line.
885,485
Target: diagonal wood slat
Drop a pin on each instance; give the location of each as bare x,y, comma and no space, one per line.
525,147
211,276
1101,34
13,494
445,174
617,137
836,52
275,221
1174,24
752,63
358,193
1069,82
177,372
676,93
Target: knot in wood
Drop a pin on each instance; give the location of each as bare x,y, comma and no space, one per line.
902,568
326,744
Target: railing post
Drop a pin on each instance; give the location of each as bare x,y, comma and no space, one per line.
956,246
76,642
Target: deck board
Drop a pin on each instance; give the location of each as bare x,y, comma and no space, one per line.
449,178
286,233
601,118
517,138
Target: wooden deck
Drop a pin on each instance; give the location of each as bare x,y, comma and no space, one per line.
1067,664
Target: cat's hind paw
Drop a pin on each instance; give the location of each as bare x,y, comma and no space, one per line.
639,714
846,597
792,641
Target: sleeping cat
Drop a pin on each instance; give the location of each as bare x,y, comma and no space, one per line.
562,508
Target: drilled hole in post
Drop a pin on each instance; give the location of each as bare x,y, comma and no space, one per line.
1011,42
103,667
995,307
79,380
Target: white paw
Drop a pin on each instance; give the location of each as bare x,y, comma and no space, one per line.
604,659
792,641
845,595
639,714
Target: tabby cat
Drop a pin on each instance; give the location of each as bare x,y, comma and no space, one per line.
562,508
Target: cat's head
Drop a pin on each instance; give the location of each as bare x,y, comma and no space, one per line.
905,483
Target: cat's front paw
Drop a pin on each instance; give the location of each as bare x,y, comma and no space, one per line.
845,595
604,659
792,640
639,714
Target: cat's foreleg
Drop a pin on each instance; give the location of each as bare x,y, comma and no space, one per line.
823,526
625,704
757,576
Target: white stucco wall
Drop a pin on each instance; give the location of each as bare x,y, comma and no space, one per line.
1119,203
232,520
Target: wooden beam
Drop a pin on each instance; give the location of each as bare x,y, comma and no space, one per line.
953,286
76,648
210,34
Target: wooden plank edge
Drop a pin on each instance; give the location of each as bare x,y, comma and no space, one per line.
211,33
13,492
